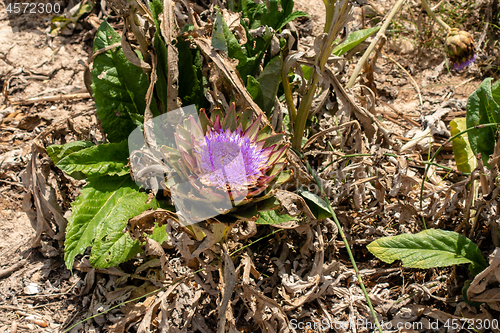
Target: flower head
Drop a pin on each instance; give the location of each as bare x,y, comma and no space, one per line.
223,164
230,159
460,49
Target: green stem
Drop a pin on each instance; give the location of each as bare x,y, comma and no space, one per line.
288,94
305,105
303,112
434,16
372,45
353,262
330,9
346,243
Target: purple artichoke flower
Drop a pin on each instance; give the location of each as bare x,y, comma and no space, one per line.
460,48
224,166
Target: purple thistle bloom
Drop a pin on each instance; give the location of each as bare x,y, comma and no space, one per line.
228,158
223,165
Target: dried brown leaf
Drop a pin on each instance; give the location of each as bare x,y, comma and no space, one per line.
169,33
293,203
229,71
39,202
226,287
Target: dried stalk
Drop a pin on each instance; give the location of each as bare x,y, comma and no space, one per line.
341,11
374,42
434,16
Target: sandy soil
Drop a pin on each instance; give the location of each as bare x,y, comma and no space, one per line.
32,65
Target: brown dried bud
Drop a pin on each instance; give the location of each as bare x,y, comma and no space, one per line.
460,48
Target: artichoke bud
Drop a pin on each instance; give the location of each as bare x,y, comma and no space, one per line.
460,48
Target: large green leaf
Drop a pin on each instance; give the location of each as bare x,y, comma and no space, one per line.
58,152
248,64
495,91
464,156
218,39
273,217
429,248
354,39
98,218
269,80
482,108
190,75
119,87
317,205
255,90
276,18
156,7
108,159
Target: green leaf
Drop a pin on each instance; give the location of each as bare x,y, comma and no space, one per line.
218,39
272,217
58,152
483,109
253,12
156,7
190,75
429,248
98,218
162,71
269,80
355,38
109,159
495,91
253,87
464,156
272,16
119,87
159,234
247,64
278,19
317,205
307,70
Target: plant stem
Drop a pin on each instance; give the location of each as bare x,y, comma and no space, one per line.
288,93
330,8
353,262
374,42
434,16
336,18
303,112
346,243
